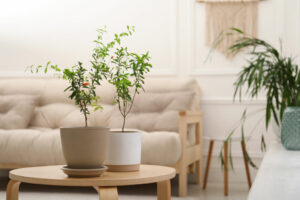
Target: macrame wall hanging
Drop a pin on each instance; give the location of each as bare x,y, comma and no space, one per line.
221,15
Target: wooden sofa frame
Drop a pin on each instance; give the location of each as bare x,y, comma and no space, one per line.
191,156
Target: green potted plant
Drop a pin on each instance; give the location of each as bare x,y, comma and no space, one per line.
83,147
268,71
126,73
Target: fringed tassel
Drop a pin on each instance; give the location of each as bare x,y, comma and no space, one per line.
221,16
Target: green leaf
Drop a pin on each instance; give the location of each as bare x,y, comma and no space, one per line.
237,30
268,113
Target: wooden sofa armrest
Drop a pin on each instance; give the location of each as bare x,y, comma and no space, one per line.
191,117
186,118
191,156
192,153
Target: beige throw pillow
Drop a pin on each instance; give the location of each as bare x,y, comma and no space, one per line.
57,115
155,111
16,110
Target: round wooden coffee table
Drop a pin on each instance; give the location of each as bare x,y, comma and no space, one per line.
106,185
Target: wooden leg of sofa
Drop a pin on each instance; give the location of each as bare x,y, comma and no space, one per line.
199,171
182,182
200,161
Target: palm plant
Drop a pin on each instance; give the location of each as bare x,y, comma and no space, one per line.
267,70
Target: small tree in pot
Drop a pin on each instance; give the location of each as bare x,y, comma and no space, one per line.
82,84
83,147
127,73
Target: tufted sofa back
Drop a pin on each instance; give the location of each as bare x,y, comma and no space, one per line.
156,109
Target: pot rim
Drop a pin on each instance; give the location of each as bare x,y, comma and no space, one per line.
125,132
84,128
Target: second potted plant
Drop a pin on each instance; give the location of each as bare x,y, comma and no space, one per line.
126,73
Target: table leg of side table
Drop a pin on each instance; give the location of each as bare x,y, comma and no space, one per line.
107,193
12,190
164,190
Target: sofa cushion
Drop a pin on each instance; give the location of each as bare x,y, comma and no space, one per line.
57,115
69,115
16,110
160,148
158,102
102,117
42,146
32,147
158,95
155,111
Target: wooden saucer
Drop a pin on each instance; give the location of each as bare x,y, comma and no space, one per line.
84,173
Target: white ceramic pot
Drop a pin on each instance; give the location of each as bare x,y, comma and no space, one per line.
124,151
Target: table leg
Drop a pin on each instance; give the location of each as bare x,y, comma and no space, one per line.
12,190
108,193
164,190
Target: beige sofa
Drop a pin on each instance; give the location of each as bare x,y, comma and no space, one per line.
163,113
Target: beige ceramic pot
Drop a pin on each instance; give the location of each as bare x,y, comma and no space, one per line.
124,151
84,147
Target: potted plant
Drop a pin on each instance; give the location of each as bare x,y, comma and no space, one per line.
268,71
126,73
83,147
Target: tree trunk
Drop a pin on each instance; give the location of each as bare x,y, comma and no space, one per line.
85,119
123,126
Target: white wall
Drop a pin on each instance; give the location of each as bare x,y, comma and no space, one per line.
35,31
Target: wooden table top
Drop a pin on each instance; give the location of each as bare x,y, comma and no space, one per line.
53,175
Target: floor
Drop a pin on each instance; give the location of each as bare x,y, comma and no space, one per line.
145,192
